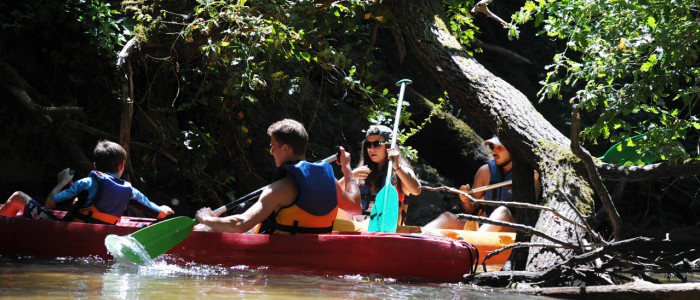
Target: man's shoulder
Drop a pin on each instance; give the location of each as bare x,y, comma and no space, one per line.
281,192
284,184
485,168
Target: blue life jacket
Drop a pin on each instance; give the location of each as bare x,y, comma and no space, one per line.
316,205
112,197
113,194
503,193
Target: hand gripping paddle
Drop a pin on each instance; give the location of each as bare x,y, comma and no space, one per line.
385,211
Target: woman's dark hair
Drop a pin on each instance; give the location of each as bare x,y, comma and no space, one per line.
376,177
108,156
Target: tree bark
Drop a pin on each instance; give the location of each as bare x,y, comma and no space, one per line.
446,134
127,112
531,140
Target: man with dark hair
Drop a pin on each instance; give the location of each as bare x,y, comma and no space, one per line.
290,132
102,196
495,171
303,199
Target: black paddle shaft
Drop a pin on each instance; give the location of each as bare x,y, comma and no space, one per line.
257,192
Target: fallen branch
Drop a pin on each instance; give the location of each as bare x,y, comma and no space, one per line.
517,58
483,7
593,175
501,203
523,228
513,246
588,229
97,132
634,290
652,171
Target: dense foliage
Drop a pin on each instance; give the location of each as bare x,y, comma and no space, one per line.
634,65
210,76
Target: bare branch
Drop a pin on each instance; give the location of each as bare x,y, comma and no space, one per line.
97,132
593,175
516,245
125,53
517,58
523,228
588,229
651,171
502,203
483,7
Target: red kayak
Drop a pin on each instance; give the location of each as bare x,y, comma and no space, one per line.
406,257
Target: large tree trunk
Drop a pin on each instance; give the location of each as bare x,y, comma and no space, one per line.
532,140
440,136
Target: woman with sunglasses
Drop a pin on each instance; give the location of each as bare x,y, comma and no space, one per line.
372,170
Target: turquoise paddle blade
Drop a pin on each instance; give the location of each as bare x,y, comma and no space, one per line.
385,211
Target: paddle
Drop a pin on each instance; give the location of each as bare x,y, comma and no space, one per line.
622,152
627,151
490,187
161,237
382,219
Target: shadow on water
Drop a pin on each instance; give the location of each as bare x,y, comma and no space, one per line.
63,278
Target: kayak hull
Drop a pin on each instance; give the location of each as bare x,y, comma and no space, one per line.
405,257
485,242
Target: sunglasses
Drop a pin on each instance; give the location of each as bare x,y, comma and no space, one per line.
491,147
375,144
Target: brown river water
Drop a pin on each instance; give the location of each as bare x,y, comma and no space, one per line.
87,278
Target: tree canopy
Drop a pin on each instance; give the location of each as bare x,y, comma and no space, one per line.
206,78
633,66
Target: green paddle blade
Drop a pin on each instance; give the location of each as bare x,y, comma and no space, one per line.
625,152
155,239
385,211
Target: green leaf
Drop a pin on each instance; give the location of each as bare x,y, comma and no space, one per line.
651,22
305,56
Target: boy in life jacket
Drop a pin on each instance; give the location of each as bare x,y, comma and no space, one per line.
305,197
495,171
102,196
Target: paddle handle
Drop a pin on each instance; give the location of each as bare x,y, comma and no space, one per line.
257,192
490,187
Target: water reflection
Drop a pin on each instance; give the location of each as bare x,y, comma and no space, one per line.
33,278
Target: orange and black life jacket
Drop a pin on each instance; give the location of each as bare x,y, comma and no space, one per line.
316,205
113,195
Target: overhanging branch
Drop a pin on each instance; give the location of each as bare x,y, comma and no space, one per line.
690,167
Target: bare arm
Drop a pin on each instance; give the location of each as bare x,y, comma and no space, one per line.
347,189
409,181
482,178
63,178
278,194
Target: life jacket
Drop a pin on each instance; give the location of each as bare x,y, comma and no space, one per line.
504,193
112,198
316,205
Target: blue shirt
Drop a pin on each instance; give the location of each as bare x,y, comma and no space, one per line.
91,185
